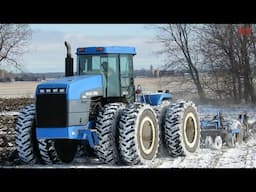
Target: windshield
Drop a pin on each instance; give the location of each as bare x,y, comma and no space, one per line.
117,71
94,63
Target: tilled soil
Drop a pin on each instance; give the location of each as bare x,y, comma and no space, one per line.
14,104
7,126
7,137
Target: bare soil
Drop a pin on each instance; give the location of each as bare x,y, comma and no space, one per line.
14,104
7,138
7,126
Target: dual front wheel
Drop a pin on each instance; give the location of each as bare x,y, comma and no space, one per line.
30,150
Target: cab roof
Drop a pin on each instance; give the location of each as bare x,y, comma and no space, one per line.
105,50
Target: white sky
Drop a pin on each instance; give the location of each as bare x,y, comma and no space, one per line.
47,51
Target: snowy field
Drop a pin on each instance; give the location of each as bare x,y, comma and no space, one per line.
241,156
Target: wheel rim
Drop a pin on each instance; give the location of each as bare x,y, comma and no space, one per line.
218,142
190,129
147,135
208,141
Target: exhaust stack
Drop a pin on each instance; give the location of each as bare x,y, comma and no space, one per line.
68,61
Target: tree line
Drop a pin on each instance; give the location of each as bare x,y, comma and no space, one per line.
227,51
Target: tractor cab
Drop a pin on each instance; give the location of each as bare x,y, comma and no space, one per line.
115,63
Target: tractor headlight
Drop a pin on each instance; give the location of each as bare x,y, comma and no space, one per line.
89,94
52,90
41,90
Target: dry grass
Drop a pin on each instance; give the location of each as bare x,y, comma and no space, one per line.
180,87
18,89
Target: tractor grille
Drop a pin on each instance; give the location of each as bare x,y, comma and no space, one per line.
51,110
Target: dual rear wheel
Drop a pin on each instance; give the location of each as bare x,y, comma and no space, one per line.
139,132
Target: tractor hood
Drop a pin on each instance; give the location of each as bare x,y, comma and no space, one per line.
75,87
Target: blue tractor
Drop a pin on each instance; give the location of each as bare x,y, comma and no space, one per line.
97,107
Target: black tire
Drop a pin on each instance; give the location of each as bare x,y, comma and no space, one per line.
84,149
29,149
217,142
182,129
108,133
136,149
208,142
66,149
25,136
161,112
47,151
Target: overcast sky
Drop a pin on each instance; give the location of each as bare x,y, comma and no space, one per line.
47,51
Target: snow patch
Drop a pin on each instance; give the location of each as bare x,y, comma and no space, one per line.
9,113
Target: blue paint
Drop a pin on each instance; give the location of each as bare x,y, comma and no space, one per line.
235,131
91,136
105,50
210,124
216,124
72,132
155,98
74,85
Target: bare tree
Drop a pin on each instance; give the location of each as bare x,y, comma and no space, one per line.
179,43
13,41
217,44
230,57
